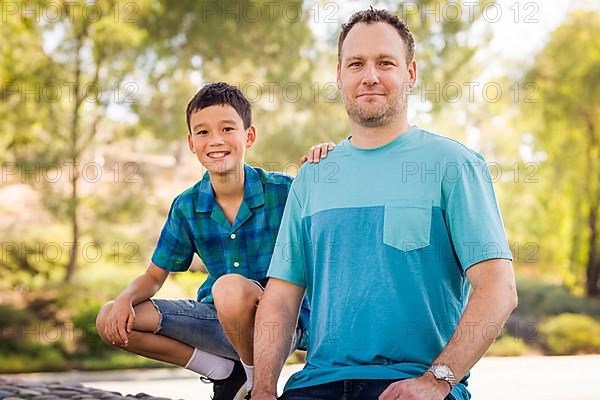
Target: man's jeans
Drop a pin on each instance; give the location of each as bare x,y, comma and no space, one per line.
355,389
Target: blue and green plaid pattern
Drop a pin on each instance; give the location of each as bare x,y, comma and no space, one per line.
196,224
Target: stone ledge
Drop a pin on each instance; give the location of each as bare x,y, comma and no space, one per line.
16,389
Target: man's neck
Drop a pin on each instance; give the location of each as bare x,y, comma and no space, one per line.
373,137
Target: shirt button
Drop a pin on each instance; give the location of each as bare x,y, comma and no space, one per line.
232,236
236,264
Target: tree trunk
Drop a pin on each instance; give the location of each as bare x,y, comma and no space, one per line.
74,201
593,264
592,268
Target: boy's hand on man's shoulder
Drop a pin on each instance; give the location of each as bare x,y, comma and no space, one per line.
317,152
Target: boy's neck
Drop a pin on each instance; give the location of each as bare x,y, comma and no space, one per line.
228,186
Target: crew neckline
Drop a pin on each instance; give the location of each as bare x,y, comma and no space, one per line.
397,141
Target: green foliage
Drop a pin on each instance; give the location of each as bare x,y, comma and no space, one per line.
84,321
508,346
564,124
445,47
571,334
29,344
118,360
538,299
45,359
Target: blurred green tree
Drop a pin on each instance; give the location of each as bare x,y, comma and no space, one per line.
566,128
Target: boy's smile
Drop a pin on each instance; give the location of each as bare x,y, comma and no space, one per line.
218,138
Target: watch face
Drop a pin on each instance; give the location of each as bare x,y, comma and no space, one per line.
441,371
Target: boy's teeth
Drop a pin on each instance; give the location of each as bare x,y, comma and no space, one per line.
216,155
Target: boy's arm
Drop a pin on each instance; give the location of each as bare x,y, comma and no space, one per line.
122,316
277,311
144,286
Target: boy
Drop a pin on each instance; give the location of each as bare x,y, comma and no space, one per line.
230,219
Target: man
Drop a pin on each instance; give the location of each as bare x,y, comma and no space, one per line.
386,248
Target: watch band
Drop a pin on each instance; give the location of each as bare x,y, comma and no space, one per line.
443,372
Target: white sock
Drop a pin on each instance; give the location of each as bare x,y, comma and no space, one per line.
249,374
209,365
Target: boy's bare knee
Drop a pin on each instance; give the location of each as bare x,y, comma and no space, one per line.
101,319
234,295
227,285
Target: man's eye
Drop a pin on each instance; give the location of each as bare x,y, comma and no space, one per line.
386,63
354,64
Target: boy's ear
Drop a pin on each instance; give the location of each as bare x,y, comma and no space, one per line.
250,136
191,143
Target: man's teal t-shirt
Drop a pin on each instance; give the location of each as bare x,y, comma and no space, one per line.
382,239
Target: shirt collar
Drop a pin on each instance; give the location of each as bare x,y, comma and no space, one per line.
254,195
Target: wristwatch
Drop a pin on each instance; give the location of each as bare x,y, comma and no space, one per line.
443,372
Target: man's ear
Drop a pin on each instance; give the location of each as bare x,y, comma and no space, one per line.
250,136
338,76
412,71
191,143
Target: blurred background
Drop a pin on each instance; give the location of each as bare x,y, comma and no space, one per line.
93,145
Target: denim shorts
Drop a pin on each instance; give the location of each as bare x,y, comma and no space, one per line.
196,324
355,389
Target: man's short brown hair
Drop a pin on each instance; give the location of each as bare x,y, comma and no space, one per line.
372,15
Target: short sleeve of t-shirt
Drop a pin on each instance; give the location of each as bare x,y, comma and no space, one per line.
473,217
287,262
175,248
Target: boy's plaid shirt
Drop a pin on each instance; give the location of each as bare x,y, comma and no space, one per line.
196,224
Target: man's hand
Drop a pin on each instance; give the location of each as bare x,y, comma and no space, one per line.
425,387
119,322
317,152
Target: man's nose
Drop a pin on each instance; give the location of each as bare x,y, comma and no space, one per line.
370,75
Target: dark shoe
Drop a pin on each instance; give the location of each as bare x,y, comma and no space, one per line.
231,388
248,396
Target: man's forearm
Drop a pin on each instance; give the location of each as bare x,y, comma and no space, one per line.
483,318
275,326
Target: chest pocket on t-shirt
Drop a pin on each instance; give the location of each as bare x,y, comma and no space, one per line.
407,223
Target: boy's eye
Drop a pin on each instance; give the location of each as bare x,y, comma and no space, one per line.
203,132
228,129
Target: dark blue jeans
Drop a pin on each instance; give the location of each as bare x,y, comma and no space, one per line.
355,389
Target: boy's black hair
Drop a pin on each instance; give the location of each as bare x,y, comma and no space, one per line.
220,93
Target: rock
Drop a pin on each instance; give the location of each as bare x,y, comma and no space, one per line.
29,392
14,389
107,395
63,393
